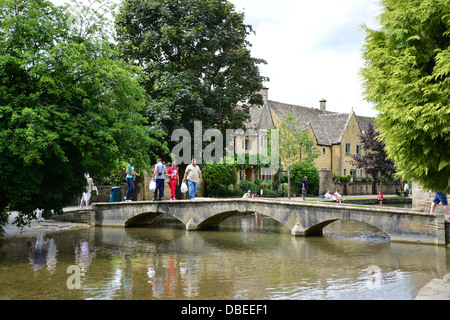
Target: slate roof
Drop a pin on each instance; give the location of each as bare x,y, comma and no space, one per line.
328,127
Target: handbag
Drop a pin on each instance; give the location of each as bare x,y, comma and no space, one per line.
152,185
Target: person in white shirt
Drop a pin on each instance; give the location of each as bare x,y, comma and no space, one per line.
247,194
193,174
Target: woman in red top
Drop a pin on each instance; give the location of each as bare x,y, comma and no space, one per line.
174,180
380,198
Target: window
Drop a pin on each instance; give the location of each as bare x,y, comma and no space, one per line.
348,148
247,144
324,150
358,149
263,142
353,173
265,173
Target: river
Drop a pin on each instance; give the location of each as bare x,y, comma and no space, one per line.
249,257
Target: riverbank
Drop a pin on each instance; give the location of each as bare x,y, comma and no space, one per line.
436,289
36,227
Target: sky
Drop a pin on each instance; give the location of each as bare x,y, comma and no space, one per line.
313,49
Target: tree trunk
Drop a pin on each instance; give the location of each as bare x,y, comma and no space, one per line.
289,183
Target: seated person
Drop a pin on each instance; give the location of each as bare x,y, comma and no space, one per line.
337,196
247,195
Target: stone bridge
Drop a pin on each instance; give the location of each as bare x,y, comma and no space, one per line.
302,218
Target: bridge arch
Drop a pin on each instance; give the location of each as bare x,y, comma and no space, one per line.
370,229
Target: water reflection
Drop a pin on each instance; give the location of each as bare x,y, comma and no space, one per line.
250,257
43,254
83,255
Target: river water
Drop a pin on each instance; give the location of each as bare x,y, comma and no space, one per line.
249,257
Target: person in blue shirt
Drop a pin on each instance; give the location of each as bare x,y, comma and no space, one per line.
159,176
131,175
304,187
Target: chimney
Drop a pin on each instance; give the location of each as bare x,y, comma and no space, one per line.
323,105
265,95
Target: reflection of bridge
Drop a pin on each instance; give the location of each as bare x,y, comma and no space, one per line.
302,218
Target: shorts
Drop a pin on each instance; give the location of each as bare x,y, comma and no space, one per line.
440,197
304,192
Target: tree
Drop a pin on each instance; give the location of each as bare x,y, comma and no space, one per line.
374,161
294,145
301,169
218,176
406,76
196,61
68,105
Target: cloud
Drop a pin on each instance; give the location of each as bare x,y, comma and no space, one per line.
313,49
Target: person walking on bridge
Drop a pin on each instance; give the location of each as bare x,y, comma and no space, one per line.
173,180
131,175
193,174
159,177
440,197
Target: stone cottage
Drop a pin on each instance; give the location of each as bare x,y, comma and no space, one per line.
336,135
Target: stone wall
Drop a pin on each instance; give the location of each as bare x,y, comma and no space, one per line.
357,188
365,188
75,216
326,181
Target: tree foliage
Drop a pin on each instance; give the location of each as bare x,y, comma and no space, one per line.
218,176
374,161
301,169
406,76
68,105
195,58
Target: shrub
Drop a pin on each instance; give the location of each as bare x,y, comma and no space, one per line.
301,169
218,177
247,185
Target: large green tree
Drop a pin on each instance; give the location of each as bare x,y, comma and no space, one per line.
406,76
68,105
196,60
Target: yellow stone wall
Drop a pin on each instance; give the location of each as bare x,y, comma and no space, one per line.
351,137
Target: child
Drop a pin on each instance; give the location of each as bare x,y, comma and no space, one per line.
337,196
380,198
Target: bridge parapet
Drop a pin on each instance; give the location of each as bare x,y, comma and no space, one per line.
302,218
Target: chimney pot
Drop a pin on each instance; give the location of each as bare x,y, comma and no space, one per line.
265,95
323,105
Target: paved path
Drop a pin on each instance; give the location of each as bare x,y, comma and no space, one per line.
436,289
